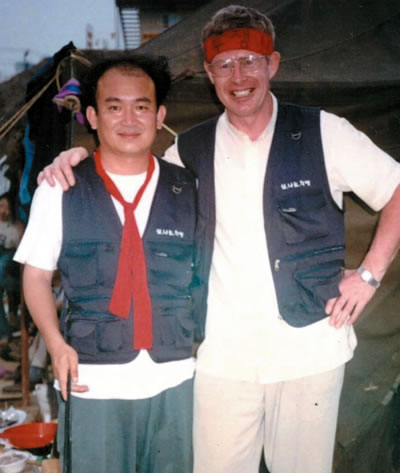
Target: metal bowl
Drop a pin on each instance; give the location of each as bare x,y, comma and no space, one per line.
13,461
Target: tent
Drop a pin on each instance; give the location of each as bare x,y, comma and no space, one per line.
342,55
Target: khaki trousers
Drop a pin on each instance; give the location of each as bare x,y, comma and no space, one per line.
293,421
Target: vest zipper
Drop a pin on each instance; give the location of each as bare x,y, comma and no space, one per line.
307,254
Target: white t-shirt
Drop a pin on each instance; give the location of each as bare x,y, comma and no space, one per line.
9,235
246,339
40,247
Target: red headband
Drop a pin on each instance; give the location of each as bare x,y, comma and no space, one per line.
239,38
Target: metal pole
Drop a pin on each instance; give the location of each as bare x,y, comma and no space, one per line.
72,124
67,466
24,353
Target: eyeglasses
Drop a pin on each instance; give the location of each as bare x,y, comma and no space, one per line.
224,67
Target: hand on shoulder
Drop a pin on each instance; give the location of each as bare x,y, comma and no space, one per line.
61,168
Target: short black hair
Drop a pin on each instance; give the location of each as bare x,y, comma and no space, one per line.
11,204
156,67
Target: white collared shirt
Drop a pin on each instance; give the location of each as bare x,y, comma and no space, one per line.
246,339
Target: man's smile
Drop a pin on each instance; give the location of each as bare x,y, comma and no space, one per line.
242,93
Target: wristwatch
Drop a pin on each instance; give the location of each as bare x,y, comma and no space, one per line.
368,278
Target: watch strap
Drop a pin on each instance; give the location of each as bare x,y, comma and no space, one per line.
368,277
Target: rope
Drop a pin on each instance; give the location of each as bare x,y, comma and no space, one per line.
21,112
170,130
79,58
9,125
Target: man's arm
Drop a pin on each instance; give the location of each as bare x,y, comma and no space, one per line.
41,304
61,168
356,293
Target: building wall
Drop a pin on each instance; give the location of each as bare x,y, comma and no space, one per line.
157,16
154,22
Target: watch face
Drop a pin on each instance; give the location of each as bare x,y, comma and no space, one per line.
366,275
368,278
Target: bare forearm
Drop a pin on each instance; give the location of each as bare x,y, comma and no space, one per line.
355,293
386,242
61,168
41,305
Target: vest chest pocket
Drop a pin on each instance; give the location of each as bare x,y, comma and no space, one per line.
80,262
303,217
171,262
91,264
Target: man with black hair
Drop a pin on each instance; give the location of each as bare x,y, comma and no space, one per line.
123,240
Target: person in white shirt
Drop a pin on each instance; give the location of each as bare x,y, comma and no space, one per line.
124,244
10,235
280,308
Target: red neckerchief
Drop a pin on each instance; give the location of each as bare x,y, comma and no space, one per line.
131,280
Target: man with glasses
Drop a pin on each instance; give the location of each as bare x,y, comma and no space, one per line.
279,309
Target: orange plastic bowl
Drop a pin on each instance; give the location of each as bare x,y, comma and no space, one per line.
34,435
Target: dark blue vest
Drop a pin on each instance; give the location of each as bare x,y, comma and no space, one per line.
304,227
88,262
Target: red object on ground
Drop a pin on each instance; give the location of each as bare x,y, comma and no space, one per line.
33,435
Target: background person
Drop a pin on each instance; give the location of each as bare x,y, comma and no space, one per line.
10,235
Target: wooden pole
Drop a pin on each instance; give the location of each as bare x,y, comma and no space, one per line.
26,398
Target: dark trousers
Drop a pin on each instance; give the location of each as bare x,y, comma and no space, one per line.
151,435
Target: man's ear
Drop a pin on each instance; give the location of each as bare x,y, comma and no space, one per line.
273,63
207,69
91,116
161,114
